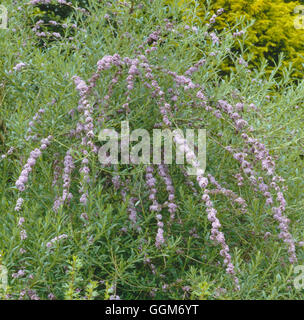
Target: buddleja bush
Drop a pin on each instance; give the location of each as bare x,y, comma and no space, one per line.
77,229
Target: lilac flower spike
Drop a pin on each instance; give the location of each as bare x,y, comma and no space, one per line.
163,172
216,234
27,168
56,239
66,177
155,207
19,66
19,204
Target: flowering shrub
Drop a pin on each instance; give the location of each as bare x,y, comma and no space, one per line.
77,229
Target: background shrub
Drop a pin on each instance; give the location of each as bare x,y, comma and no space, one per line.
272,33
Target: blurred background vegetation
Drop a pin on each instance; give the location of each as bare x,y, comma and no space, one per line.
271,32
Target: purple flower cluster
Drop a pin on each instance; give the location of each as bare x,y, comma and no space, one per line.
56,239
195,67
163,172
88,134
19,204
85,178
84,106
23,179
261,154
51,296
228,193
9,152
133,71
36,118
183,81
238,34
107,61
212,20
239,122
155,207
32,295
214,38
242,62
57,169
283,222
23,234
66,177
216,234
19,66
132,210
34,155
19,274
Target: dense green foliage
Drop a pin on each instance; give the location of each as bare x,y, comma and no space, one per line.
104,254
